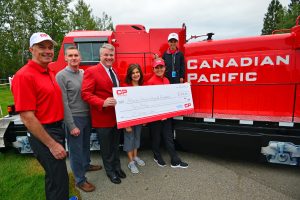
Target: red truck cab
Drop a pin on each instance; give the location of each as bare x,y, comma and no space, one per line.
132,42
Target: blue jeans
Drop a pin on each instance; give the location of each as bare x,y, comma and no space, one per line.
79,149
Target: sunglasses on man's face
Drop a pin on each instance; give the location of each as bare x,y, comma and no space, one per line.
159,67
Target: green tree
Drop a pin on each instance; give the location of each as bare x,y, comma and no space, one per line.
5,9
105,22
24,23
53,19
5,12
17,22
280,18
20,18
81,18
291,14
272,18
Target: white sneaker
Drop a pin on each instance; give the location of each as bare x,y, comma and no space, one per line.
133,168
139,161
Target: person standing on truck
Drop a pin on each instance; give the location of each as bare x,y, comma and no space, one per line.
38,99
174,60
97,85
132,134
163,127
76,119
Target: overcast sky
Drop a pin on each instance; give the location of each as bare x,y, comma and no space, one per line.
226,18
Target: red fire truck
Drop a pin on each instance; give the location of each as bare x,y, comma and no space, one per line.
246,90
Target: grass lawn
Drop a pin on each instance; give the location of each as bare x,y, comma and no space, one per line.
6,99
21,176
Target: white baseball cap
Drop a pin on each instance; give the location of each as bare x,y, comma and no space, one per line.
40,37
173,36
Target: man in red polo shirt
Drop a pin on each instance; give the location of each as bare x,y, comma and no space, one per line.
38,99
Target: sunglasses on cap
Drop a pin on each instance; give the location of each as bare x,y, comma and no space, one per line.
159,67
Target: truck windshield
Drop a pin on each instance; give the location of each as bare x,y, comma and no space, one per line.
89,52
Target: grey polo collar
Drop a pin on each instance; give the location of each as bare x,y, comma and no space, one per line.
69,69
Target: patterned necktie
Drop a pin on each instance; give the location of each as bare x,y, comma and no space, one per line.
113,77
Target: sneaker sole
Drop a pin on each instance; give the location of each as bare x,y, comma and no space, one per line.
134,172
178,166
158,163
140,164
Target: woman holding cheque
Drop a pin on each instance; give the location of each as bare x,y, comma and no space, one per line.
132,135
163,127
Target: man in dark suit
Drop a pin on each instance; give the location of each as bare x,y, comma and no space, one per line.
97,85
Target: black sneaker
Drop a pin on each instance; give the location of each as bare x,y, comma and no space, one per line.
180,165
160,162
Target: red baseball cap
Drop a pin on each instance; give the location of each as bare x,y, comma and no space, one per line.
158,62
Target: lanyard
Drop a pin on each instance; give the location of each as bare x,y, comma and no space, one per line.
173,61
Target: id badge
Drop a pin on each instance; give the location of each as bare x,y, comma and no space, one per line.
174,74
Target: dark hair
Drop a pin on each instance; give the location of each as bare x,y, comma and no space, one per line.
130,69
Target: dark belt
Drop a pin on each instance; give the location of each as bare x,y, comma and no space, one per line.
53,125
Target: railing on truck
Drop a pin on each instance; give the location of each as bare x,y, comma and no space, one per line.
210,105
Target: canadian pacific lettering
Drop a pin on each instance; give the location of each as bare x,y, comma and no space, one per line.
197,70
223,77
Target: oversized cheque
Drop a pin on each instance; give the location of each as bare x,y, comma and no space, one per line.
142,104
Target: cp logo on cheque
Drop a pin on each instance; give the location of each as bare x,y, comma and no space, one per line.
122,92
187,105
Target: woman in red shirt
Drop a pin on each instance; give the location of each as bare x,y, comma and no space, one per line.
163,127
132,135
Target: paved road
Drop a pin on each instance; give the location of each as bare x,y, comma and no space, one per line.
208,177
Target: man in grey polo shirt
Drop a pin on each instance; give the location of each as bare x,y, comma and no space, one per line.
76,119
